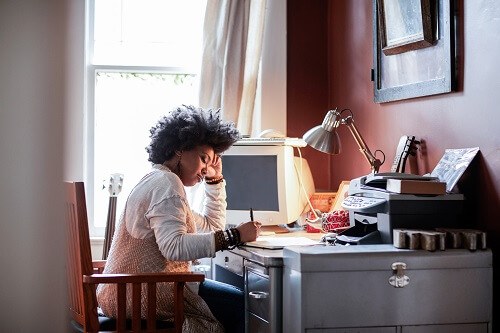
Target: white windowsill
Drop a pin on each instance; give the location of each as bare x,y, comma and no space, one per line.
96,244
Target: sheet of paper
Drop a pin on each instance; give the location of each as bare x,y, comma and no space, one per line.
276,242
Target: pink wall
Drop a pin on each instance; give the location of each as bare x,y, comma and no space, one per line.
307,77
467,118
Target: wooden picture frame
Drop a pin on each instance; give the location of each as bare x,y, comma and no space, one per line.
340,196
406,25
411,70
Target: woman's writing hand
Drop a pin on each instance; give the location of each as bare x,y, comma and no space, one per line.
249,231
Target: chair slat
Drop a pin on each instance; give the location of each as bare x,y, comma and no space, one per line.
121,301
151,322
136,306
179,304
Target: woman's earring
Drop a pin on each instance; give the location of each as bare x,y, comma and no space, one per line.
179,164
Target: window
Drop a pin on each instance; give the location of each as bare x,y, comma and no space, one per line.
143,58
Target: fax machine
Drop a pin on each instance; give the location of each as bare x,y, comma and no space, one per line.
375,212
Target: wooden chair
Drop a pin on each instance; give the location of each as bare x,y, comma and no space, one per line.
83,281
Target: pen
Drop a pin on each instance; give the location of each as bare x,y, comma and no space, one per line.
251,214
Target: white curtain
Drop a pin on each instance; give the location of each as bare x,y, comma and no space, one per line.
232,44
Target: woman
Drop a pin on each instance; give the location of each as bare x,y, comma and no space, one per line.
158,232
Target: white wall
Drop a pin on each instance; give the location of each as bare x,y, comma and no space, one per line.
74,124
34,93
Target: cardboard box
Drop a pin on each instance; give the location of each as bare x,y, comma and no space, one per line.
323,201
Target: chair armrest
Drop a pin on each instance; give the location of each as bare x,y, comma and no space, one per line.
144,278
98,266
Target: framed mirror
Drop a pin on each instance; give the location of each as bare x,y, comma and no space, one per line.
414,51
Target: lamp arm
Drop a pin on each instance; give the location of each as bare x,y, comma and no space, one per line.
375,163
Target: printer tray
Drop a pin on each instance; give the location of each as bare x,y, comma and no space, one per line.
360,233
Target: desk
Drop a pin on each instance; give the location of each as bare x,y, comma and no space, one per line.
259,272
346,289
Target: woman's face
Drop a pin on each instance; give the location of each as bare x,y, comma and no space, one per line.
195,164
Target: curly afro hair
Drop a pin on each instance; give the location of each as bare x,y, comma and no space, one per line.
187,127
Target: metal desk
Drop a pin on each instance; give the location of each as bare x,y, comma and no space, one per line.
347,289
259,273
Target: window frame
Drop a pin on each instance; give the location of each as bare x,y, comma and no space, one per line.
89,118
270,103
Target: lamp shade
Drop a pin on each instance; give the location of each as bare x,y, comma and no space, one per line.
325,137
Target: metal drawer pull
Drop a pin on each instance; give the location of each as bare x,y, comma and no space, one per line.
258,294
399,279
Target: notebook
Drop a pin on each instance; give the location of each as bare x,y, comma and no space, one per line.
276,242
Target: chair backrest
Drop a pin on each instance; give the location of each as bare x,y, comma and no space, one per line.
82,280
82,298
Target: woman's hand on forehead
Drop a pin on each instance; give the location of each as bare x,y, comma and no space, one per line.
214,169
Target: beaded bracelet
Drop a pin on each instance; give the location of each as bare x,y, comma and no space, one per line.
220,241
235,233
227,240
214,181
229,237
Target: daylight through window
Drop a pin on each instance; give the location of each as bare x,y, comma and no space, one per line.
144,59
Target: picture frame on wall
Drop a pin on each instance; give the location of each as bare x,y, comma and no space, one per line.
410,65
406,25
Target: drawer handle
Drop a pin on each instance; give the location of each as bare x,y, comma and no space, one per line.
399,279
258,294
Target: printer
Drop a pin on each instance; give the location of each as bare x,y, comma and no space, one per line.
375,212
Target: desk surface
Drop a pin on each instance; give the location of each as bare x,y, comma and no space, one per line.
269,257
317,254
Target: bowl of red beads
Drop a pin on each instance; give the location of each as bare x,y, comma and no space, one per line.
335,221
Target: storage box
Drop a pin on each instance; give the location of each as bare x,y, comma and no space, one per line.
323,201
378,288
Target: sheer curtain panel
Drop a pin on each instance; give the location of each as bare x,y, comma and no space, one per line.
232,47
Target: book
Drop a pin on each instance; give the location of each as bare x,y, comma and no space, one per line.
453,164
407,186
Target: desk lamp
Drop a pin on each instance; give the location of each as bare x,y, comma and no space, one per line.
325,138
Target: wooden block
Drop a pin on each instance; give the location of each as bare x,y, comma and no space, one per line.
470,239
439,239
419,239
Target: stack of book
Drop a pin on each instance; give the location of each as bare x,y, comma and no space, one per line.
412,186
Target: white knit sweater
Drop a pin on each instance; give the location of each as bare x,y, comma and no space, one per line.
158,232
